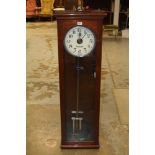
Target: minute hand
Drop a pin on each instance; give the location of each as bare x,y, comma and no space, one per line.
83,36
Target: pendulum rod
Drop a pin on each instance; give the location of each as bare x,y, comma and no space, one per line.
77,85
77,121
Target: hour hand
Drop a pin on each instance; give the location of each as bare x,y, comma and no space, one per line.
79,35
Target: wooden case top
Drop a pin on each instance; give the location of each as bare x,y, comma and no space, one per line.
86,14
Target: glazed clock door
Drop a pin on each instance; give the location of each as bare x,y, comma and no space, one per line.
80,79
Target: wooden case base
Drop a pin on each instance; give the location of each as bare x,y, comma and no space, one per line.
78,146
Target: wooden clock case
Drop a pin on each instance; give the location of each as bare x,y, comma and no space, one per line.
89,87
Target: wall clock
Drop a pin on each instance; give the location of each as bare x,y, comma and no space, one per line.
79,51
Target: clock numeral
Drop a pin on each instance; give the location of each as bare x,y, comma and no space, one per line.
91,41
85,49
70,36
68,41
85,32
88,46
88,35
70,46
79,29
79,53
74,50
74,31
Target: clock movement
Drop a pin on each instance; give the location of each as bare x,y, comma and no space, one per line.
79,52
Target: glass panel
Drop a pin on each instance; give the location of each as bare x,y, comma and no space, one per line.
80,79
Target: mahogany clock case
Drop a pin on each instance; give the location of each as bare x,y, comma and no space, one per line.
89,69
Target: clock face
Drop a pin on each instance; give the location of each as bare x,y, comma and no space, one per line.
79,41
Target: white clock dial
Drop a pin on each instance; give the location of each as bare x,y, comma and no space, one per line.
79,41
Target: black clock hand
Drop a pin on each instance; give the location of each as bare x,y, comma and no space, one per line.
79,35
83,36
